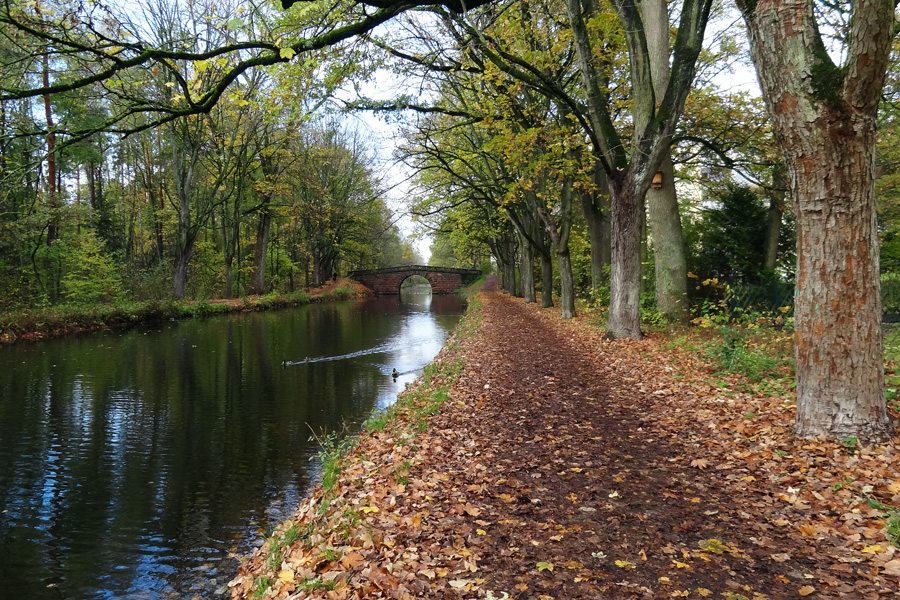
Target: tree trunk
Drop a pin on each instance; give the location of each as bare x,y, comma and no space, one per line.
668,246
773,226
546,280
596,217
258,278
566,283
662,203
526,271
837,307
825,123
625,269
179,273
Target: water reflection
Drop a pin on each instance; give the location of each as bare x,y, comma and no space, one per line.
132,465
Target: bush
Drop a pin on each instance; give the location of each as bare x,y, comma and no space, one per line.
91,276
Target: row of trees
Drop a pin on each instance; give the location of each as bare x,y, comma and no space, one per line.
538,107
256,194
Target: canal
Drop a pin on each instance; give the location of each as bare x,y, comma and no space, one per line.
141,464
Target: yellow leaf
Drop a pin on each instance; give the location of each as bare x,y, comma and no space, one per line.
481,532
286,53
574,565
894,488
369,509
704,592
806,590
576,470
545,566
286,575
681,565
873,549
625,564
665,580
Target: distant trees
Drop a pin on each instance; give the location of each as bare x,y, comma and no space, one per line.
192,198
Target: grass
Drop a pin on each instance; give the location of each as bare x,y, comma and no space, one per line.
69,318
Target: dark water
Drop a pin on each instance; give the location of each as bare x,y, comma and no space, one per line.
138,464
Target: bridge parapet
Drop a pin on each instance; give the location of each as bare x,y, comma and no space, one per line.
387,281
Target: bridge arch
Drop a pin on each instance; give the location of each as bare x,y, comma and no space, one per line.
387,281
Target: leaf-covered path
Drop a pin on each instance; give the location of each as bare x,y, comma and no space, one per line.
566,466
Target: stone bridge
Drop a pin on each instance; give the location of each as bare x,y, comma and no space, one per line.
443,280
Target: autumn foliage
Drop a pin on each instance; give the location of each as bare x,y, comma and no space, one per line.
562,465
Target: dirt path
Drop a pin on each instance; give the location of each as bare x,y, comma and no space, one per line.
565,466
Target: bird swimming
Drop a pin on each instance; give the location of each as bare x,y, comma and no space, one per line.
395,374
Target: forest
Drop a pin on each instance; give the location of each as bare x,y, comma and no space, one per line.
592,151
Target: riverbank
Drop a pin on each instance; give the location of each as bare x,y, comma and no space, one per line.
537,460
65,320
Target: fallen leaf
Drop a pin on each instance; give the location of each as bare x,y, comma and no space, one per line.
286,575
806,590
700,463
625,564
369,509
714,546
545,566
892,567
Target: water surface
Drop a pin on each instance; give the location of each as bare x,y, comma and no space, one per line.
137,464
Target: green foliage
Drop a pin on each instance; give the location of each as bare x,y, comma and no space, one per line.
748,352
890,292
728,240
332,449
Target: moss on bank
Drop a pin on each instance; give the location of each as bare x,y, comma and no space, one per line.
62,320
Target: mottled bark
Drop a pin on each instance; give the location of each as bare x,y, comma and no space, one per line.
825,123
625,269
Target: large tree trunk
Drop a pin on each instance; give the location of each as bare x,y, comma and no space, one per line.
258,278
668,246
662,203
837,307
825,123
625,269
